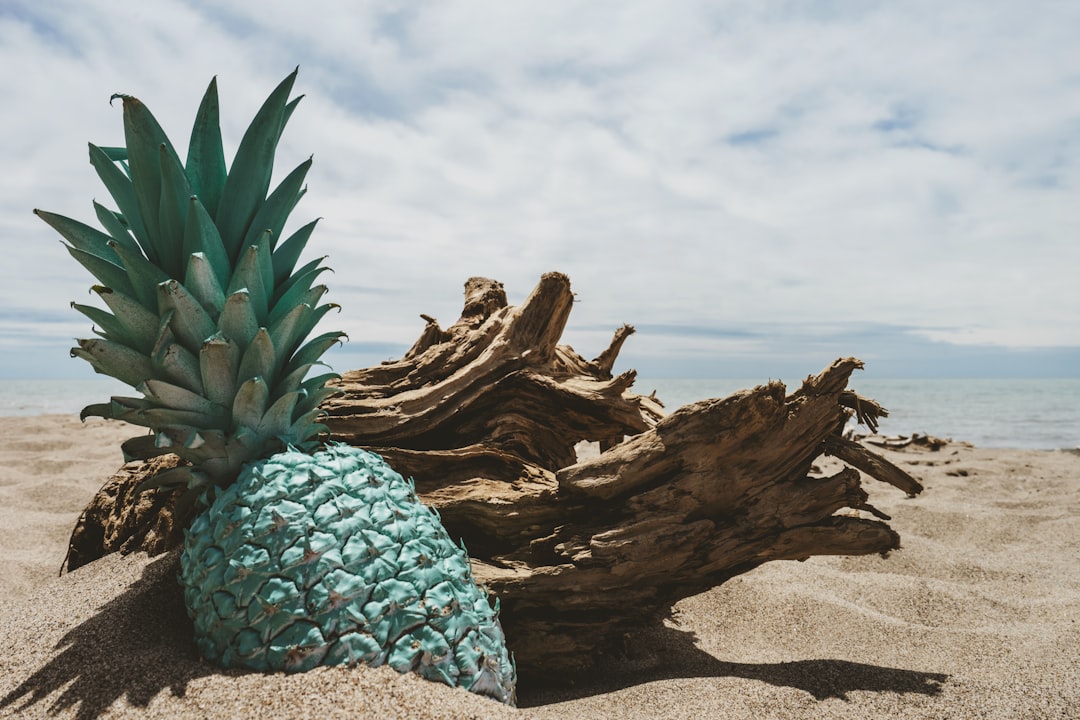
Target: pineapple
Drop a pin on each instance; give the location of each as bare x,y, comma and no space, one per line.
300,553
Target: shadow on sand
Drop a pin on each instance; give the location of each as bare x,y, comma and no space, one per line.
673,654
136,646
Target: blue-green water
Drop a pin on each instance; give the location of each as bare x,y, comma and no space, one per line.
989,413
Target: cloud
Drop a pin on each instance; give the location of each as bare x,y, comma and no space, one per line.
723,166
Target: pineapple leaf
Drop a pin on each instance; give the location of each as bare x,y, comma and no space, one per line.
178,398
313,349
144,138
201,235
89,240
107,272
143,412
251,403
140,447
248,276
219,361
279,417
144,275
301,293
287,254
116,154
264,259
294,379
294,298
315,398
242,446
275,210
175,362
101,410
201,279
290,330
172,212
140,324
190,322
160,417
206,158
122,190
305,276
259,359
111,358
249,177
110,327
147,144
238,322
305,426
116,227
289,108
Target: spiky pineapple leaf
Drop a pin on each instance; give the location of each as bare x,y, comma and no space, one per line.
108,273
201,235
140,325
116,227
106,324
292,328
287,254
166,394
279,416
207,305
249,177
273,213
315,391
144,275
305,276
201,279
122,190
248,276
238,322
80,235
206,157
295,297
296,287
146,142
190,322
252,400
219,362
258,359
311,351
111,358
172,212
173,361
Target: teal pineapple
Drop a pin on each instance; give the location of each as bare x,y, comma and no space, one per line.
299,553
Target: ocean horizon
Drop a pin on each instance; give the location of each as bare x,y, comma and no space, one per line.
992,413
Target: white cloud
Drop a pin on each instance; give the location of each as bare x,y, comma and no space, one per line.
723,165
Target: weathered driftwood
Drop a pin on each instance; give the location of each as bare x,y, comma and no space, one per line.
497,378
486,415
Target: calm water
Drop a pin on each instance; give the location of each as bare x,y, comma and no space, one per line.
989,413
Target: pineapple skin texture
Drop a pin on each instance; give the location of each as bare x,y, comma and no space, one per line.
331,559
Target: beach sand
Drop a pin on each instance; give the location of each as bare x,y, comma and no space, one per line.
978,615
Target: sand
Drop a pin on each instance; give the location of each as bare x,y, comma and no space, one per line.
978,615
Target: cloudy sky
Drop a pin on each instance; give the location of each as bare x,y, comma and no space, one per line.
758,187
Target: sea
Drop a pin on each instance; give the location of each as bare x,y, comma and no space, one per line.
992,413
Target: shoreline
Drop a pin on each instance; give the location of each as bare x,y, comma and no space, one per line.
978,614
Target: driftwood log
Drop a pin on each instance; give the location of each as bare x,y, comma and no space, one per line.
488,416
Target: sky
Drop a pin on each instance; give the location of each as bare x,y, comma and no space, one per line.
759,188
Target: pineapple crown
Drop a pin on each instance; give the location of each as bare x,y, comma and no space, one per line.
208,315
